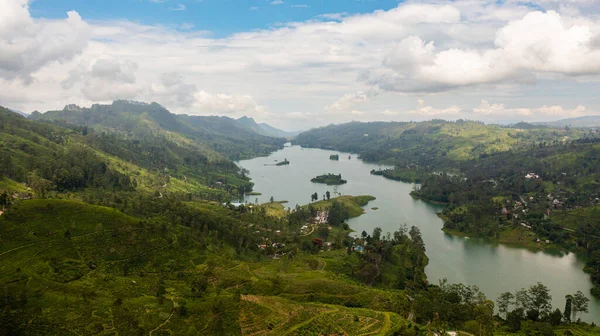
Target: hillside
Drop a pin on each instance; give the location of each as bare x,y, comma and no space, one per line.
70,267
582,122
214,136
436,142
52,159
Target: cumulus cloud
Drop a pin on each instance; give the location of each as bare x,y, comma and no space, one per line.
348,101
537,43
28,45
424,111
432,49
228,105
489,112
499,111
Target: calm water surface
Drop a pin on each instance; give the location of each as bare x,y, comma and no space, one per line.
494,268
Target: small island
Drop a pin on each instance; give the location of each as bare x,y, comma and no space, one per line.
329,179
279,164
334,157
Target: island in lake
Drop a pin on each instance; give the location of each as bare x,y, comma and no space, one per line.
334,157
329,179
282,163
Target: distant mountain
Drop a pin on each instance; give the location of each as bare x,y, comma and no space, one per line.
216,136
587,121
264,128
26,115
429,143
277,132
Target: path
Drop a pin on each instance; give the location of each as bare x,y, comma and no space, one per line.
167,320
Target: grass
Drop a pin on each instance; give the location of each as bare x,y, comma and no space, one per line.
9,186
354,204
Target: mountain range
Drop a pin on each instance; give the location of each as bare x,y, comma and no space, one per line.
219,135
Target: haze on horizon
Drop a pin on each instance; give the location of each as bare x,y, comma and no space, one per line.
303,63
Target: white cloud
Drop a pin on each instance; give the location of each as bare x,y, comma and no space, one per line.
449,53
424,111
299,6
28,45
536,44
348,101
253,8
500,112
180,7
276,2
229,105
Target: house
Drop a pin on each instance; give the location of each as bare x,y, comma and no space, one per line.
532,176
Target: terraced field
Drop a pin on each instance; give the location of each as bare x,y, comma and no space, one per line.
268,315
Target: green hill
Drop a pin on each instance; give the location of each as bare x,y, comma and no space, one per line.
213,136
70,267
436,142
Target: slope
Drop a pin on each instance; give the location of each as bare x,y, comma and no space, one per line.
214,136
52,160
435,142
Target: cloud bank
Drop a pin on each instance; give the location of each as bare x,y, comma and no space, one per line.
335,67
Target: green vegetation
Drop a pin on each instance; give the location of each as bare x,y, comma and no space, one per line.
329,179
535,186
334,157
214,137
117,222
353,204
436,143
408,174
283,163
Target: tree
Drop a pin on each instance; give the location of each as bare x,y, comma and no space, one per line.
416,238
540,299
272,199
504,301
580,304
328,195
522,299
556,317
568,306
514,318
377,234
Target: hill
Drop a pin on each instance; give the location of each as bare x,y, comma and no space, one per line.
26,115
581,122
71,267
272,131
437,142
51,159
214,136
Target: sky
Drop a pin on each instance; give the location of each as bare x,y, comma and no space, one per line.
298,64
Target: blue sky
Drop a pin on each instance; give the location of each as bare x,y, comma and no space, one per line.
221,17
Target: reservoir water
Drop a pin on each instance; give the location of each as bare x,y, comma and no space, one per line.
493,268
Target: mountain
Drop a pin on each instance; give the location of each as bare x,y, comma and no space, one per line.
436,142
214,136
272,131
264,128
583,122
26,115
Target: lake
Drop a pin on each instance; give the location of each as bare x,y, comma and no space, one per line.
493,268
